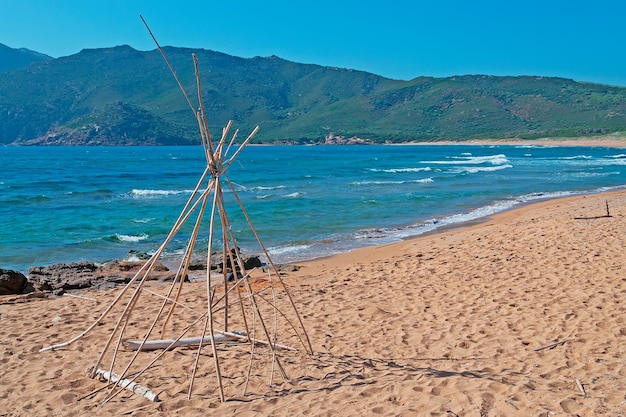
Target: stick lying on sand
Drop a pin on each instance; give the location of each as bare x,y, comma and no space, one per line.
129,385
222,337
551,345
172,343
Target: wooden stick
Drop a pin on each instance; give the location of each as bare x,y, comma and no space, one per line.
173,343
509,402
80,296
180,85
551,345
254,340
129,385
134,409
581,388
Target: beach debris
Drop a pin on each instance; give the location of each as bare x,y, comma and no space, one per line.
173,343
509,402
608,214
127,384
67,294
551,345
581,388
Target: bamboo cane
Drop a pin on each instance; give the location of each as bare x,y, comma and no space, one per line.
173,343
209,317
128,384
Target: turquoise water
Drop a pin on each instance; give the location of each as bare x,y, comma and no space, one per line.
64,204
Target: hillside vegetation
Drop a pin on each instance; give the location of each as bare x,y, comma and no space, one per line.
12,59
119,95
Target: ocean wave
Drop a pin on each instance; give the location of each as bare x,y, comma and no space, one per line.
400,170
613,161
593,174
474,160
130,238
474,170
266,188
146,220
157,193
396,234
287,249
576,157
366,183
297,194
618,156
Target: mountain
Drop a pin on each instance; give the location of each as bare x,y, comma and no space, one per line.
117,96
11,59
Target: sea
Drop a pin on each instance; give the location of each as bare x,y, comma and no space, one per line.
67,204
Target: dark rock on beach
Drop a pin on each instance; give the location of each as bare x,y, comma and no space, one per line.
217,262
82,275
12,282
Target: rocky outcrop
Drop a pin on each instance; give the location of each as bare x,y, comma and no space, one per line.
217,262
81,275
12,282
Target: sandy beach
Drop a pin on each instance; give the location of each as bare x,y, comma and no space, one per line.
609,141
520,315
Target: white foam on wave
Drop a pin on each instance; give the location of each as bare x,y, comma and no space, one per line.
576,157
157,193
429,225
473,160
287,249
266,188
593,174
131,238
612,161
474,170
420,181
146,220
400,170
295,195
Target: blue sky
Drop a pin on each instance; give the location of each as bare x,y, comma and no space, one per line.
396,39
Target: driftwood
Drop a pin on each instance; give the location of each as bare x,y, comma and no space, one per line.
608,214
172,343
551,345
128,384
581,388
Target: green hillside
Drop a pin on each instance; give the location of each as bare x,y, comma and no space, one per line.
12,59
122,96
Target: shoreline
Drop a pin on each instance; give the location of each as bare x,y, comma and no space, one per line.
596,141
469,226
475,222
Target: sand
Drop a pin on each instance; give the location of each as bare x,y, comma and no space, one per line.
609,141
450,324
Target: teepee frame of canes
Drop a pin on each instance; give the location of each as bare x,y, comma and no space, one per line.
246,302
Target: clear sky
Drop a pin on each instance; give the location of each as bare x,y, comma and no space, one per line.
583,40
